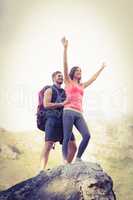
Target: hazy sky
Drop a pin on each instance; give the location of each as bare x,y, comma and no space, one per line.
30,50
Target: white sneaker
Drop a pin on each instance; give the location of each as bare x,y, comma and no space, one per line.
78,160
39,171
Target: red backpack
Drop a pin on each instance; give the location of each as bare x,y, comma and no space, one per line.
41,111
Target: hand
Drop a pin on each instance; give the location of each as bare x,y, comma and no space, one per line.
104,65
64,42
66,101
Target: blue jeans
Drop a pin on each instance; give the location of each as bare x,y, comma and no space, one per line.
71,118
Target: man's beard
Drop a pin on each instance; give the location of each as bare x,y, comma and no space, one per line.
59,82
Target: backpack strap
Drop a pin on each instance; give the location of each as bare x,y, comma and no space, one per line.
55,95
60,95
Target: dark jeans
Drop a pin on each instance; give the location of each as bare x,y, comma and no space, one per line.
71,118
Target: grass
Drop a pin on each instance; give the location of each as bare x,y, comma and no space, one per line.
110,145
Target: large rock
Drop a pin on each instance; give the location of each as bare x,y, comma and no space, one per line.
78,181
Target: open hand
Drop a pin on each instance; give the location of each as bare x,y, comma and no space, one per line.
104,65
64,42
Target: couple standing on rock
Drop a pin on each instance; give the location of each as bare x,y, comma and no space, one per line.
69,105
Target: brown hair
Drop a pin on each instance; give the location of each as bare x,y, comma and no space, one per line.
72,72
55,73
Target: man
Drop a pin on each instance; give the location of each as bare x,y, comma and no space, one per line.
54,101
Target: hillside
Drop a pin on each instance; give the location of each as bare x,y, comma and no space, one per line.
110,145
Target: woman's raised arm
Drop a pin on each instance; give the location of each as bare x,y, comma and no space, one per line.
94,77
65,64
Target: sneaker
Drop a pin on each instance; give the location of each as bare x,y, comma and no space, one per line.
78,160
38,172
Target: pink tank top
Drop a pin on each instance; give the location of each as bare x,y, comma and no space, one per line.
74,94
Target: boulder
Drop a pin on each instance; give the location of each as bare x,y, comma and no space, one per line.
77,181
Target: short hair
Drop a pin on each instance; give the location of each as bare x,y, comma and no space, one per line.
55,73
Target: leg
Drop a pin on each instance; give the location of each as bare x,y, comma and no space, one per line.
84,131
45,154
67,132
49,141
72,148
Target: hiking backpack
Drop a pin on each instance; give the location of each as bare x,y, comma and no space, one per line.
42,111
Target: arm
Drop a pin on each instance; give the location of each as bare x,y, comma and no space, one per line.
65,64
94,77
47,100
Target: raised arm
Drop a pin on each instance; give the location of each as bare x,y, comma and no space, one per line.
65,64
94,77
47,100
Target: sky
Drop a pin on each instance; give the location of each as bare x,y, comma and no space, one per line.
31,50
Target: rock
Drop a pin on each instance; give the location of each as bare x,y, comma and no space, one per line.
2,130
9,152
14,149
77,181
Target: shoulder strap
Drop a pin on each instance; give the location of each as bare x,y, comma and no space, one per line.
54,88
60,94
55,93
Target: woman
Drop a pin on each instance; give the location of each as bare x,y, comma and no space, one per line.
72,114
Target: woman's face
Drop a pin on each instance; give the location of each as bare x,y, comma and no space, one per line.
78,74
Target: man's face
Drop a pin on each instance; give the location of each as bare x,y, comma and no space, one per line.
58,78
